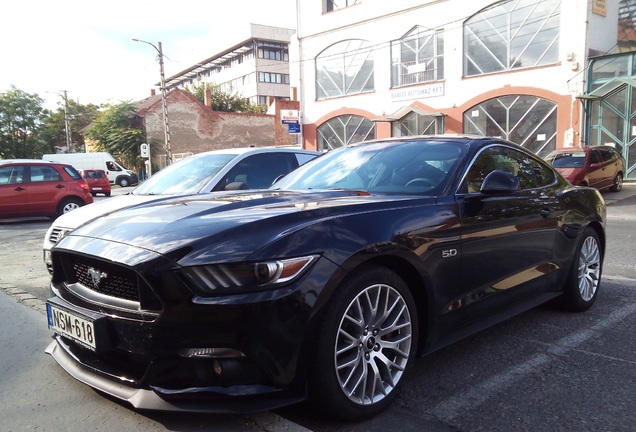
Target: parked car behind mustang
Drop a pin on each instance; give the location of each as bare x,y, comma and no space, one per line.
238,168
327,285
97,181
37,188
601,167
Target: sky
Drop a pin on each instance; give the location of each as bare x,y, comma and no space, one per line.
86,47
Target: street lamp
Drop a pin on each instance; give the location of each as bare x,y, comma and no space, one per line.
166,128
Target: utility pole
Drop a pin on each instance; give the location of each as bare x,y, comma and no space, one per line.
166,127
67,123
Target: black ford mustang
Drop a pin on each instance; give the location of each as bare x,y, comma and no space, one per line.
327,285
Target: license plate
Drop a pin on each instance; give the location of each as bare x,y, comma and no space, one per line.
74,327
97,188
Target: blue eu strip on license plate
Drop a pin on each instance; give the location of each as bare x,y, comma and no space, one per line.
72,326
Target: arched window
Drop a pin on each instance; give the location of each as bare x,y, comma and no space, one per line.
343,130
526,120
511,35
415,123
344,68
418,57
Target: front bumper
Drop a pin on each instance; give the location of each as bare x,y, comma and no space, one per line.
157,399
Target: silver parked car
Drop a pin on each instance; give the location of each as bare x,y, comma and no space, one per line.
218,170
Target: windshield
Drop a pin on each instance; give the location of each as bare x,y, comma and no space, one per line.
574,159
393,168
188,176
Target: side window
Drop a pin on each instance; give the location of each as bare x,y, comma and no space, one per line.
260,171
12,174
44,173
72,172
532,173
607,155
595,157
111,166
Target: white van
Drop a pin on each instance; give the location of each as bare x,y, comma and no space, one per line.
116,173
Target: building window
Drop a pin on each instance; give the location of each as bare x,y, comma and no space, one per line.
418,57
526,120
332,5
512,35
344,68
418,124
273,54
343,130
271,77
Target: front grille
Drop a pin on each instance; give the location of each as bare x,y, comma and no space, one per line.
103,277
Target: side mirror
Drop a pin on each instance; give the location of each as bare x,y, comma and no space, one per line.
498,181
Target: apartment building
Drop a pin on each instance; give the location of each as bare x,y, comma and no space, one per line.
255,65
516,69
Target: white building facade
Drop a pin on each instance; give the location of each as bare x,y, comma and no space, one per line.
255,65
515,69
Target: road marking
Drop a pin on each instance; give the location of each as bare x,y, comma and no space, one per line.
457,405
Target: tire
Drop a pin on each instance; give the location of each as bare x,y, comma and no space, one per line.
366,343
69,204
581,288
617,186
124,182
107,194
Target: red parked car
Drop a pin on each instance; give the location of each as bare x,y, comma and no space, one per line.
97,181
600,167
38,188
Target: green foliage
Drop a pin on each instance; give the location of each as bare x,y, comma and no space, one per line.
21,117
54,128
222,101
114,131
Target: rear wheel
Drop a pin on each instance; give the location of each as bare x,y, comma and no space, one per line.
618,183
581,289
366,344
68,204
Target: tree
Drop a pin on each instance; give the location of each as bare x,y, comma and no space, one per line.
114,131
222,101
54,128
21,116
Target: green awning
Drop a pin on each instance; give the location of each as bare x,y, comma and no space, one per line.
608,88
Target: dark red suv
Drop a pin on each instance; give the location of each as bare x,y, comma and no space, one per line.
600,167
39,188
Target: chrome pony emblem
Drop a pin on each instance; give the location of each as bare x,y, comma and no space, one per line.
96,276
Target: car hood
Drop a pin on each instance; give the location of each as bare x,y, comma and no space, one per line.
80,216
223,226
569,173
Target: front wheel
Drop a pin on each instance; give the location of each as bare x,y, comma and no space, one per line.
124,182
581,288
367,342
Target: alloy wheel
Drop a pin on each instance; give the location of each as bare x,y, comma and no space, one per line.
373,344
589,268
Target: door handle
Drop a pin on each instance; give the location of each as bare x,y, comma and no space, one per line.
59,186
20,189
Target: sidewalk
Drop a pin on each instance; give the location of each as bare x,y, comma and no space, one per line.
628,191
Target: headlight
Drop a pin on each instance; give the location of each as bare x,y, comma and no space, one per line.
245,277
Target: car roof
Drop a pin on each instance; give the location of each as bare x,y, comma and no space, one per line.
29,161
584,149
249,150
